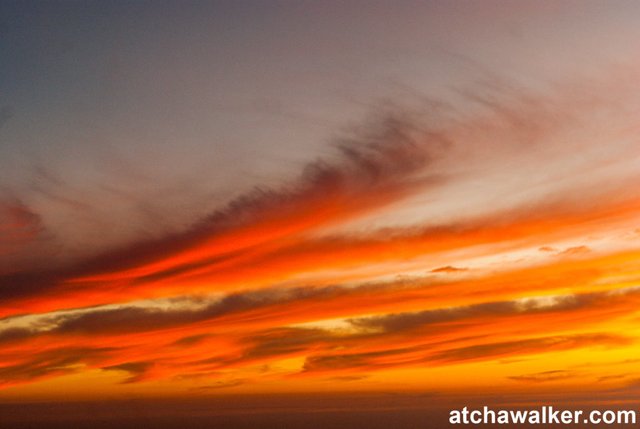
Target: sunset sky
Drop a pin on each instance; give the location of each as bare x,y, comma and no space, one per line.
220,199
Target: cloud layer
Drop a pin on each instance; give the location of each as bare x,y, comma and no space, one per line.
429,241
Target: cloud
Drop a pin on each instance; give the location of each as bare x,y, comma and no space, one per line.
528,346
576,250
374,168
129,319
50,363
272,233
448,269
221,385
138,319
248,330
431,329
278,305
137,370
410,321
414,356
544,376
347,378
19,226
259,250
191,340
283,341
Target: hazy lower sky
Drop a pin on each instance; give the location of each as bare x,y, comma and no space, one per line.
231,197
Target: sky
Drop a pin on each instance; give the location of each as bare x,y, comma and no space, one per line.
326,201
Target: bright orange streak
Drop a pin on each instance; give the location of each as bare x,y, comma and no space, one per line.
278,260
